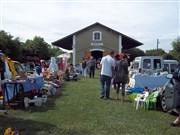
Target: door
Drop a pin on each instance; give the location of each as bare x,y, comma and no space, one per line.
97,54
168,94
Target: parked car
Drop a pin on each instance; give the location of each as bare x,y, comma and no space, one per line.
170,65
148,64
167,95
18,67
29,67
166,98
6,67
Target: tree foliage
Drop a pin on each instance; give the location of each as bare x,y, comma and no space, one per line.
9,46
16,50
155,52
40,47
176,48
54,51
134,52
37,46
168,56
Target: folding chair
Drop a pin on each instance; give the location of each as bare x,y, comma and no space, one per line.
141,98
151,100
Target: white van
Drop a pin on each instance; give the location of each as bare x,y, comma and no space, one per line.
8,73
148,64
18,67
170,65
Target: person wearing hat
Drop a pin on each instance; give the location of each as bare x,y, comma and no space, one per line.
107,68
117,58
121,75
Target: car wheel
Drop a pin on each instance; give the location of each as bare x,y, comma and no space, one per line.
163,103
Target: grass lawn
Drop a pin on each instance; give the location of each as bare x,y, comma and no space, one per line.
78,110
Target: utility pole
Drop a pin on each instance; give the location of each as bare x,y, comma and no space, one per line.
157,43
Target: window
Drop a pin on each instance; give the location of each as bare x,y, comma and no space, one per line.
18,68
173,67
146,64
166,67
97,36
136,65
157,63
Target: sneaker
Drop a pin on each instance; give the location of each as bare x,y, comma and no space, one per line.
102,96
108,98
174,124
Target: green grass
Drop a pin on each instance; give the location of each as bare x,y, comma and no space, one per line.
78,110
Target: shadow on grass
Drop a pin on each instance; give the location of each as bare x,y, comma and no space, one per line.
29,127
49,105
25,127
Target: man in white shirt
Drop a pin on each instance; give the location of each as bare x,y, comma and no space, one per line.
107,69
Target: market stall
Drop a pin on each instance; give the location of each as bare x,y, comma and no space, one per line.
13,89
152,82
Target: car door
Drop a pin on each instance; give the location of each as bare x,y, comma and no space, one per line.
168,94
19,68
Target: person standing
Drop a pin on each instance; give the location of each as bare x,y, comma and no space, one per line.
88,65
98,63
38,69
121,75
116,58
176,96
107,69
84,67
92,67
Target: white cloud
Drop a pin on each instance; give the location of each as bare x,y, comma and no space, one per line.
143,21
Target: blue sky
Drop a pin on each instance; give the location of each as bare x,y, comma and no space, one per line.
143,20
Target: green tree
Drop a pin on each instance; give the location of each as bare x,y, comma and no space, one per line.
4,39
134,52
10,47
176,48
40,47
37,46
155,52
70,60
55,51
168,56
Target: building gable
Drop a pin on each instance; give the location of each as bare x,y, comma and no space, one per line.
66,42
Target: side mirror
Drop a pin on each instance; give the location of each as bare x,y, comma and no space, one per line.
169,76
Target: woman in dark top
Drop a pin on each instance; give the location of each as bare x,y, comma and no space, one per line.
121,75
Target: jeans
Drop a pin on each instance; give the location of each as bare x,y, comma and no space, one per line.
105,79
91,74
122,86
84,71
